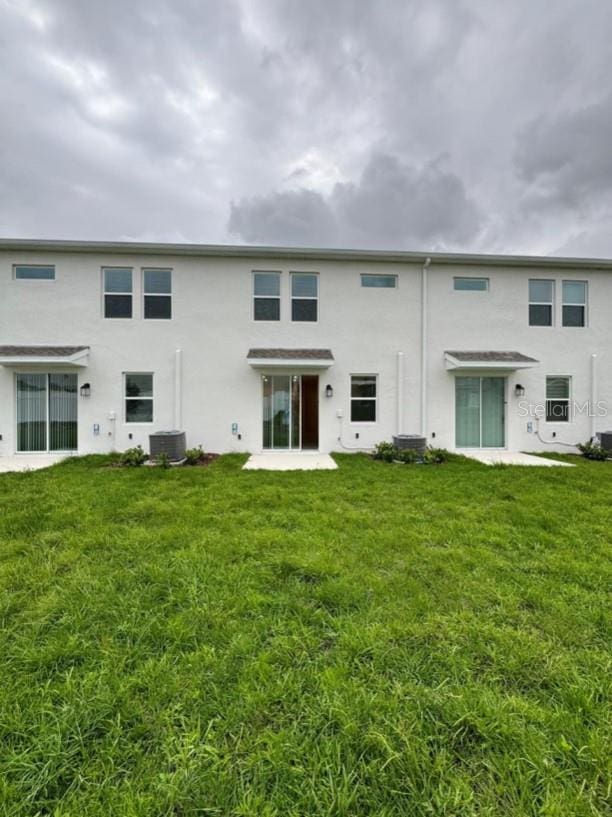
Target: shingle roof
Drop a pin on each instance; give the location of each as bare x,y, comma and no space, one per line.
487,357
291,354
41,351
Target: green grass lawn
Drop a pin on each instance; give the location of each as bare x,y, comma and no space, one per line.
378,640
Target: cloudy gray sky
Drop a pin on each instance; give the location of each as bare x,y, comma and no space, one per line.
413,124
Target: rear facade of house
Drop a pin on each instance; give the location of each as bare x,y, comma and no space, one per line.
255,349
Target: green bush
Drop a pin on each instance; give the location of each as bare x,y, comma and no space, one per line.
163,460
434,456
133,457
593,451
194,455
406,455
385,451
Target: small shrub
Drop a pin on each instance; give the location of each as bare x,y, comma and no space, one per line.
194,455
163,460
592,451
385,451
133,457
407,455
434,456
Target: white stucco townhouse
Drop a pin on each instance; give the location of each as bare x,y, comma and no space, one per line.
254,348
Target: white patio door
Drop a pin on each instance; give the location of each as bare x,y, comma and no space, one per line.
480,412
46,412
281,411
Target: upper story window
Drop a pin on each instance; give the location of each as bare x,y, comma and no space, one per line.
574,303
157,286
266,296
541,300
379,281
34,272
471,284
304,296
117,292
363,398
557,399
138,397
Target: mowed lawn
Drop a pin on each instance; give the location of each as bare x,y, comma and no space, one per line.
379,640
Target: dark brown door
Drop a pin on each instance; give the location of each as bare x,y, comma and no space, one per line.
310,411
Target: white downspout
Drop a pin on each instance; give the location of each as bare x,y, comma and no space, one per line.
400,393
424,347
178,390
593,394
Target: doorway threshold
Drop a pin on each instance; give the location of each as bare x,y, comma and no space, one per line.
290,461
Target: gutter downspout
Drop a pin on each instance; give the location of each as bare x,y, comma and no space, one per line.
424,347
178,389
400,393
593,394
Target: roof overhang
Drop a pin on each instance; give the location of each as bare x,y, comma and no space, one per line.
488,361
72,356
290,358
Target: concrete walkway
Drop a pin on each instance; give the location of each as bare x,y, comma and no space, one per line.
290,461
511,458
28,462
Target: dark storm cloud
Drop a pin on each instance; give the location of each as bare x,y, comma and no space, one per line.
322,122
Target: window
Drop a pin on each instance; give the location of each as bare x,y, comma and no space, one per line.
574,303
266,296
138,398
117,292
34,272
363,398
471,284
541,300
157,285
379,281
304,295
557,399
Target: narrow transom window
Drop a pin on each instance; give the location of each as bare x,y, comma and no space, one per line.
138,397
471,284
379,281
574,303
34,272
557,399
117,292
266,296
363,398
157,286
541,299
304,296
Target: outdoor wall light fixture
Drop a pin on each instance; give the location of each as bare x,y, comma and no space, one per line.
519,390
85,390
329,391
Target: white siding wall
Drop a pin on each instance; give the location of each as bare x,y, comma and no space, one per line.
365,329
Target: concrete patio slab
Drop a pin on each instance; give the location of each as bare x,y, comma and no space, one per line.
512,458
290,461
28,462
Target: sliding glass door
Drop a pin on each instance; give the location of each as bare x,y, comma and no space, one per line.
281,411
46,412
480,412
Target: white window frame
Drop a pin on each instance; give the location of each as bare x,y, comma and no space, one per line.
550,303
572,303
373,399
34,266
393,276
315,275
255,297
570,417
146,294
105,293
471,278
126,398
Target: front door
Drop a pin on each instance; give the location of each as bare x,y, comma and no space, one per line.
46,412
290,411
480,412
